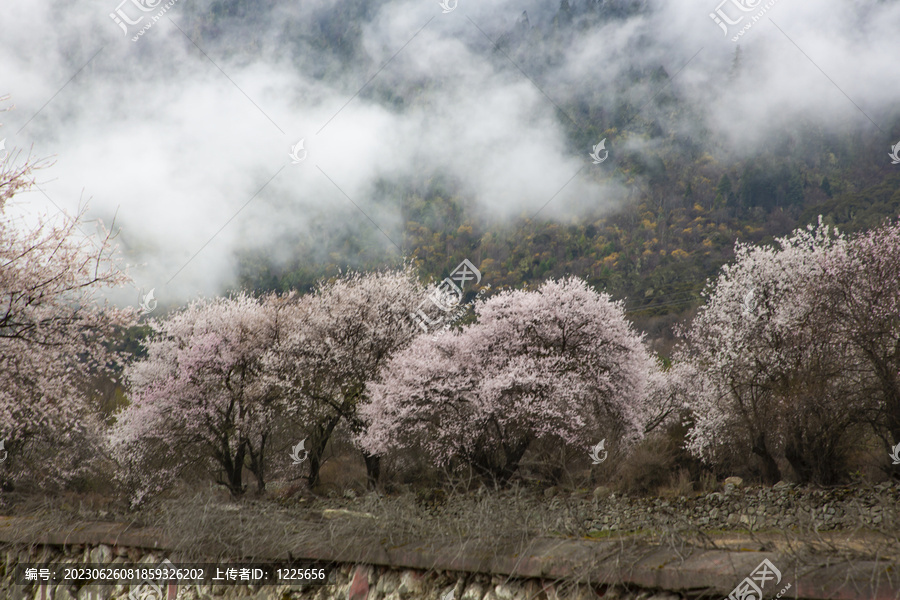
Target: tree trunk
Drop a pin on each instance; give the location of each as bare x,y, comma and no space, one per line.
501,473
373,470
770,471
795,457
235,477
320,441
257,464
312,479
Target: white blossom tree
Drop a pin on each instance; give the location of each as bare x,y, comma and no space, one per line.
337,339
55,330
863,294
770,373
201,397
561,363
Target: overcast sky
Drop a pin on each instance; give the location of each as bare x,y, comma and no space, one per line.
190,143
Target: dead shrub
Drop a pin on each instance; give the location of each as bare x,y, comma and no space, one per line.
648,467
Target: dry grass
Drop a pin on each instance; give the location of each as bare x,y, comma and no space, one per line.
206,525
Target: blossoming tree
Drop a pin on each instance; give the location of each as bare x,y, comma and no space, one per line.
561,363
54,333
338,338
864,305
200,398
769,369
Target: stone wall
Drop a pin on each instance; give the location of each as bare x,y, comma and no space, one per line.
781,507
544,569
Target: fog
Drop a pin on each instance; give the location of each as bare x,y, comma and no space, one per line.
188,142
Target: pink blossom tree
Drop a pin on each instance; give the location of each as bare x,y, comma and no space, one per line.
769,370
864,305
338,338
561,363
54,334
201,397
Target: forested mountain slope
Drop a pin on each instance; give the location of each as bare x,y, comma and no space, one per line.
688,193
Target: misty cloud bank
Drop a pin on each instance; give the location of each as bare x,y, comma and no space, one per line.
154,131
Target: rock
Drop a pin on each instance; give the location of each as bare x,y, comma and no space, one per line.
388,583
601,492
504,592
551,491
411,584
102,554
736,481
473,592
782,485
359,587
